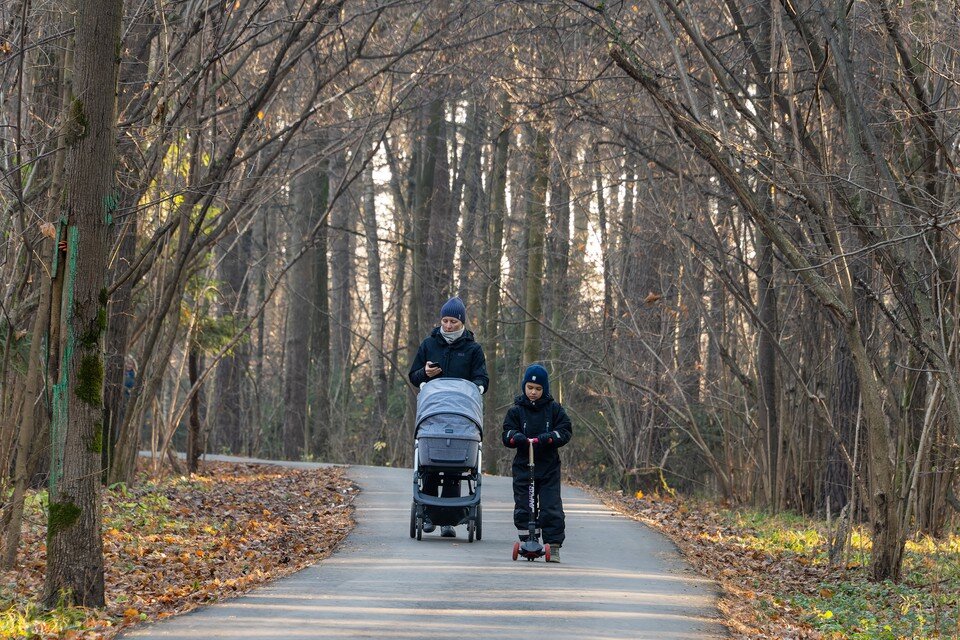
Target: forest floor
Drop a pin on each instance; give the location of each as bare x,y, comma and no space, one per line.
175,544
178,543
777,582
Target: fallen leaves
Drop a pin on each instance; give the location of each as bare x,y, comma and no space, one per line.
749,577
174,546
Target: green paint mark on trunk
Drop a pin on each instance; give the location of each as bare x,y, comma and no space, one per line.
60,418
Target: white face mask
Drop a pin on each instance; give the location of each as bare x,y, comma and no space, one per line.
450,336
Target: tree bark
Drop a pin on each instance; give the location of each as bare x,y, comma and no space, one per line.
195,443
133,77
320,333
767,368
231,398
378,374
472,172
536,231
444,222
494,255
299,289
74,548
342,282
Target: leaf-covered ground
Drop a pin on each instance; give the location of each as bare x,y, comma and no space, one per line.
777,583
172,546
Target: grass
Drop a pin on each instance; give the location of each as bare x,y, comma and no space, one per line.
23,618
924,604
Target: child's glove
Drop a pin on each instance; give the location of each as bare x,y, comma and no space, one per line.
546,439
518,439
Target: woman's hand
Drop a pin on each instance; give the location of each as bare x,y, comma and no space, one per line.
432,369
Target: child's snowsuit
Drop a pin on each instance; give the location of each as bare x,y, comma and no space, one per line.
532,420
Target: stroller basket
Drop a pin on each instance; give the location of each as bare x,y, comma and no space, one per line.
448,441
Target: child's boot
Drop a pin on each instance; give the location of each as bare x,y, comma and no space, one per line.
554,553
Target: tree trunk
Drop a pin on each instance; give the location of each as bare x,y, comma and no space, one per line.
767,367
299,287
605,246
536,230
133,76
844,407
230,400
426,299
74,548
32,394
470,252
444,222
342,281
195,444
52,93
558,253
378,374
320,333
494,247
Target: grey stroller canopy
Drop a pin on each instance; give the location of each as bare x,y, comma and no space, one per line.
446,403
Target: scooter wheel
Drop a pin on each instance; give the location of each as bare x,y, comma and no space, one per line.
546,552
516,550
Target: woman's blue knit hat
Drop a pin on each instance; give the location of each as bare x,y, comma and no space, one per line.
453,308
538,375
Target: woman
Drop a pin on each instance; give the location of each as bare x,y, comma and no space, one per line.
450,351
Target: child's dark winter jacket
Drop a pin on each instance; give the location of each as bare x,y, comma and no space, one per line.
462,358
532,419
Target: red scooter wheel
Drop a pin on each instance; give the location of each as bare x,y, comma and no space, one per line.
546,552
516,550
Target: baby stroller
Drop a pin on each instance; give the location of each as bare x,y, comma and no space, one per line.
447,446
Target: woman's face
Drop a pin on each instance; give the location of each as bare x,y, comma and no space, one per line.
450,325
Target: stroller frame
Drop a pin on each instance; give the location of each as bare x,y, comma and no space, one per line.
449,511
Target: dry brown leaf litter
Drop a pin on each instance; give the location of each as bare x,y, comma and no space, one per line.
193,541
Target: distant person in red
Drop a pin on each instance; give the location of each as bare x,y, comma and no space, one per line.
450,351
535,414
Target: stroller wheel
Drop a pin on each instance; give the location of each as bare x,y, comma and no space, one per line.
516,550
471,530
413,520
479,522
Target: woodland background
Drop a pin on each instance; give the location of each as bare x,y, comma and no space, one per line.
728,228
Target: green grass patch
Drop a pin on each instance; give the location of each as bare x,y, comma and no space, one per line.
22,619
859,609
924,604
783,533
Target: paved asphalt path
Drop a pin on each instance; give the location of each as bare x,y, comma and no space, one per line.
618,579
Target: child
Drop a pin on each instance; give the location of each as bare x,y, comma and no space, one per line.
535,414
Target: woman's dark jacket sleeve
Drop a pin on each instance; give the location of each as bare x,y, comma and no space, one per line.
417,373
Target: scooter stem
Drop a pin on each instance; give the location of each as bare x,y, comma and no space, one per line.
532,523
